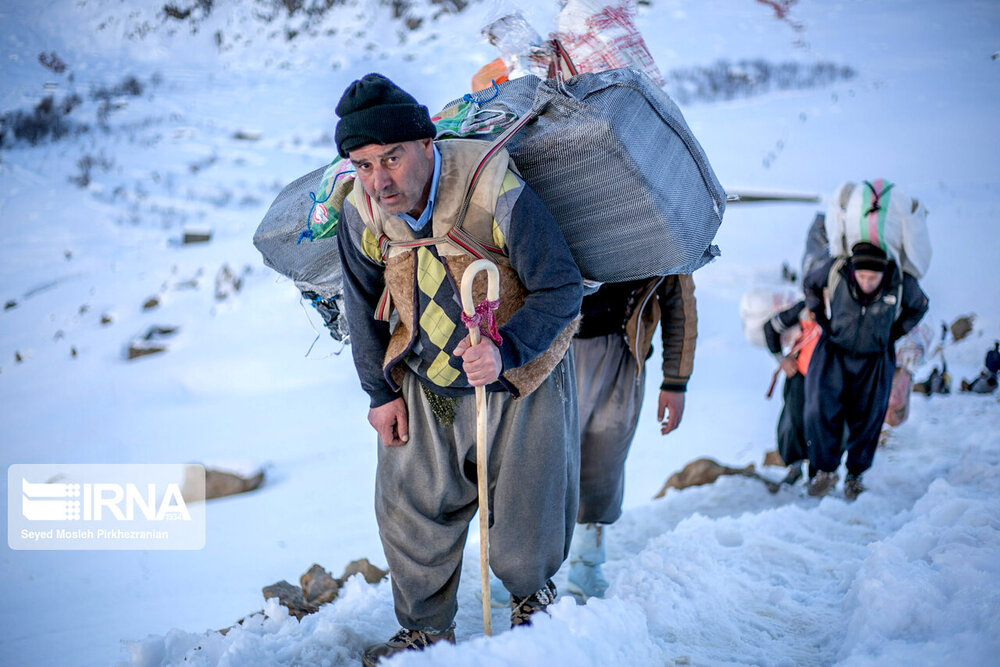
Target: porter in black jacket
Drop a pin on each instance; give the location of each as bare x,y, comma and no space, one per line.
850,374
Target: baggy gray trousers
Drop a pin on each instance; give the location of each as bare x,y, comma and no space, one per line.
425,495
610,398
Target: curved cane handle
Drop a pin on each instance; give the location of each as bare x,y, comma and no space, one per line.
492,290
492,285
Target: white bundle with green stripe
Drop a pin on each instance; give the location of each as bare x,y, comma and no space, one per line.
878,212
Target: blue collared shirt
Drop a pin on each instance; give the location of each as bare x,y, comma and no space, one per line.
417,225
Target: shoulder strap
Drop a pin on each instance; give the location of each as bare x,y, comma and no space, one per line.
832,282
899,297
490,153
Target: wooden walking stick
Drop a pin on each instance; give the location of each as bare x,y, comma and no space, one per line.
473,318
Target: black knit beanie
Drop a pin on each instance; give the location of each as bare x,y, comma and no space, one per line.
867,256
374,110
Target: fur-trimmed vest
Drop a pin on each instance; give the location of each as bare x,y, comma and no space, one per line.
459,159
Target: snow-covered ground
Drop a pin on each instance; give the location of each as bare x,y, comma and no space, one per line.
230,107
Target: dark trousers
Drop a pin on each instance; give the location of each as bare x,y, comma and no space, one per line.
792,423
846,390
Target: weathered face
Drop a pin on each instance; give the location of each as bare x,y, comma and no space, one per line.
396,176
868,280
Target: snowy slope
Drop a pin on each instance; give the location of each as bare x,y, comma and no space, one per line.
713,575
732,575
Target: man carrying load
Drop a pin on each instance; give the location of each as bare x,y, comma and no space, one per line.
610,353
404,246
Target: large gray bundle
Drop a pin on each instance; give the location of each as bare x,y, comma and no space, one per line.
313,265
612,157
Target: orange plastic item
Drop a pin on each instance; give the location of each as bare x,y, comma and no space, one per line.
806,343
490,72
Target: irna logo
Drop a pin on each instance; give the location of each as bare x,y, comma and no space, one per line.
101,501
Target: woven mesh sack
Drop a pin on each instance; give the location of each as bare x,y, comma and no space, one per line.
612,157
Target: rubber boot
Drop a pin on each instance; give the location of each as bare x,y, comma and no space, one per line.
499,596
586,555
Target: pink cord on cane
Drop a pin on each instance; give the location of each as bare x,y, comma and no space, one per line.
485,319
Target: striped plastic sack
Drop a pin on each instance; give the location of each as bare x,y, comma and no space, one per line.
879,212
602,35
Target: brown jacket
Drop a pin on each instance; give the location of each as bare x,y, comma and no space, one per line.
668,300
